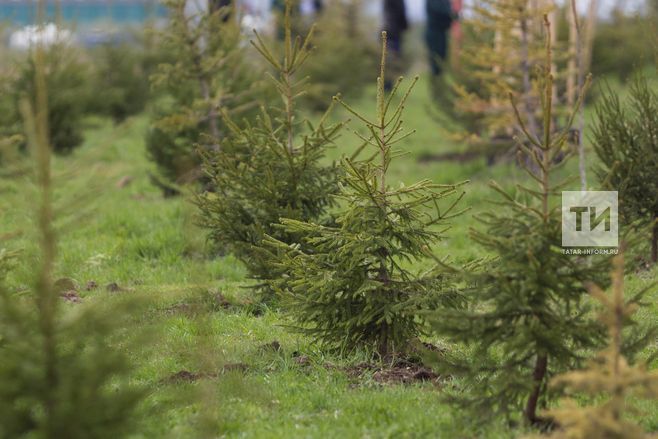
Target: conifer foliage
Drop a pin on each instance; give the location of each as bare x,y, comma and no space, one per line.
338,64
271,168
625,138
527,317
58,376
608,374
505,48
121,80
350,284
67,79
208,73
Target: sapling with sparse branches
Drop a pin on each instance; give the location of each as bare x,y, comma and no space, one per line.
351,284
271,167
67,77
503,54
528,315
208,74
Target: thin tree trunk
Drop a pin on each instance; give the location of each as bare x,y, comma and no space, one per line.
553,23
538,375
585,38
572,69
46,296
528,104
654,241
590,29
212,111
204,83
579,67
527,86
290,113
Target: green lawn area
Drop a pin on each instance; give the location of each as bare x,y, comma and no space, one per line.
192,311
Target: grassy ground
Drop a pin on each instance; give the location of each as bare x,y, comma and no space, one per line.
149,246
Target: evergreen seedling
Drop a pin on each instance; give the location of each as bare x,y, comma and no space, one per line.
208,73
121,80
625,138
528,316
271,168
608,375
67,78
500,58
502,54
338,64
58,376
350,285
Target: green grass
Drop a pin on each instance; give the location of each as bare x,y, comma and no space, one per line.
152,249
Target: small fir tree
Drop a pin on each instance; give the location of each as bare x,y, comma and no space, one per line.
67,78
58,376
500,58
350,285
625,42
271,168
208,73
608,375
625,138
338,64
528,317
502,54
121,80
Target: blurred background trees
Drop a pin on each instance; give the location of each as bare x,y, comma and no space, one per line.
208,74
625,139
59,376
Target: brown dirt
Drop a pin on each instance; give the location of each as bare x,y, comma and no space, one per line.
113,287
400,372
212,302
64,285
71,296
185,376
221,301
303,360
235,367
91,285
180,308
124,181
274,346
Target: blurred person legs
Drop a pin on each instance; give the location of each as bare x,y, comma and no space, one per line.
440,17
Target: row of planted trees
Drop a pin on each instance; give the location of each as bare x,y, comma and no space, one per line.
333,245
334,242
342,271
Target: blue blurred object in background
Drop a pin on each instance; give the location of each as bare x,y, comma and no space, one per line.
23,12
